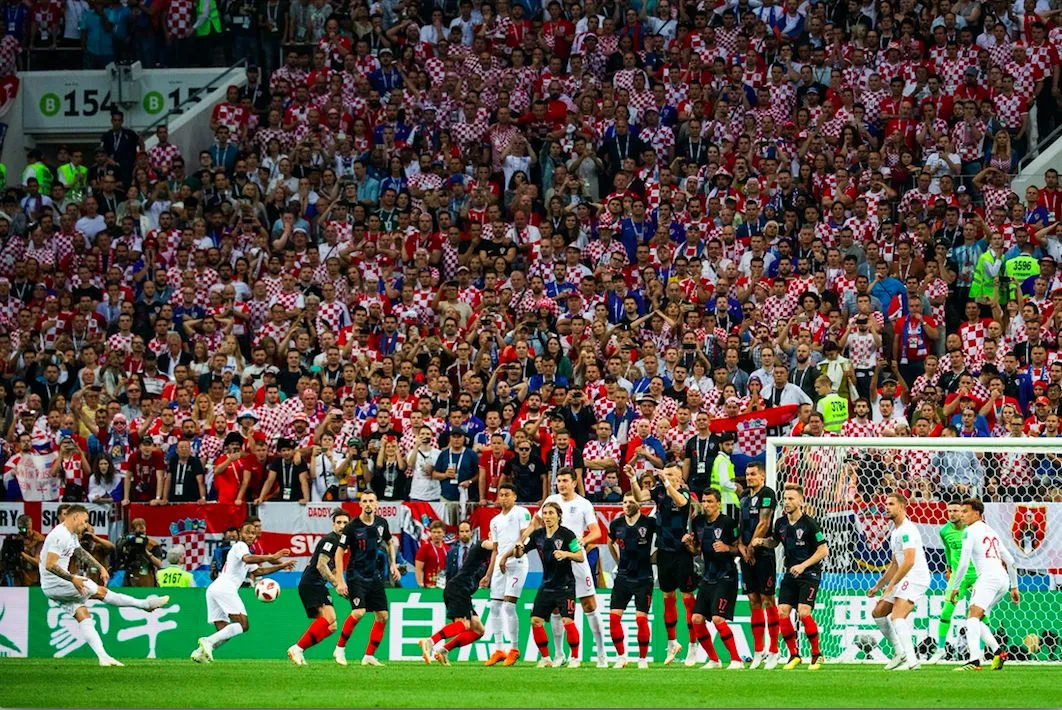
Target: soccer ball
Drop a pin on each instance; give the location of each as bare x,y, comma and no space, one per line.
267,590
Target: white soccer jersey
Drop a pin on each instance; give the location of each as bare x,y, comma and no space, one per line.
63,543
505,528
982,546
907,537
577,514
235,571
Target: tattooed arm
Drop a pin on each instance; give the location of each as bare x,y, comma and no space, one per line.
85,562
51,563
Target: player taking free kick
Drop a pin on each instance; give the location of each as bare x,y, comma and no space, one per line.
72,591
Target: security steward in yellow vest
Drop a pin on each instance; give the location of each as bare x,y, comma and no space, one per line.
832,406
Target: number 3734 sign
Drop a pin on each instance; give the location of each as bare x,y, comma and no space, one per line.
82,101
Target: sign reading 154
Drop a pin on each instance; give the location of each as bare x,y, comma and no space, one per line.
90,102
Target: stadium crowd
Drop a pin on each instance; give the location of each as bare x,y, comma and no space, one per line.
442,245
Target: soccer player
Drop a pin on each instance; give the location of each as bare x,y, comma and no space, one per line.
72,591
758,564
804,548
982,545
951,536
631,544
506,584
580,518
674,563
313,589
561,552
363,580
714,536
225,609
464,627
905,581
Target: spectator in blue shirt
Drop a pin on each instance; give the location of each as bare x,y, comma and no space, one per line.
223,153
97,36
885,287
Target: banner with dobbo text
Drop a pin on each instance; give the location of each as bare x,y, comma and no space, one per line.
31,625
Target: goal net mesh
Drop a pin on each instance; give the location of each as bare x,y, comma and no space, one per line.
845,484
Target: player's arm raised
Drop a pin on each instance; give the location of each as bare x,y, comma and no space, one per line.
681,498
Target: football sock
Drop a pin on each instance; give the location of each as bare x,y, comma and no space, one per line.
788,635
347,630
759,622
615,629
557,626
376,636
944,625
597,631
92,637
885,626
704,638
671,617
772,629
688,602
728,640
512,625
451,629
811,630
572,635
496,623
905,638
317,632
462,639
539,634
643,636
987,637
973,639
119,599
227,632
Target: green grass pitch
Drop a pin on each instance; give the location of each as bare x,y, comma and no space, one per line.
234,683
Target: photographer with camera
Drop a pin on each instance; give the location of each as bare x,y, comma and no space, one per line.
19,555
135,556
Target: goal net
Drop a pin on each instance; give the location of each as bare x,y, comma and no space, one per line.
845,483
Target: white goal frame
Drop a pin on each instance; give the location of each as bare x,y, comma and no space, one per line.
1051,541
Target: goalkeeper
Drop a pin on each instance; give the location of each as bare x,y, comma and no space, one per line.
951,536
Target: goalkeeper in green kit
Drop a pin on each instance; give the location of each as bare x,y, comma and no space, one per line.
951,536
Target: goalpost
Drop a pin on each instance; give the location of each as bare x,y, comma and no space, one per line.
845,482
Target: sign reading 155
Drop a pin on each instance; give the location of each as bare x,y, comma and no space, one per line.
90,102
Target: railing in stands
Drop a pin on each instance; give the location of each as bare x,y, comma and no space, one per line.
193,98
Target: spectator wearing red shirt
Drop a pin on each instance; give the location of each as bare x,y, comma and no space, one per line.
145,472
431,557
492,462
239,477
